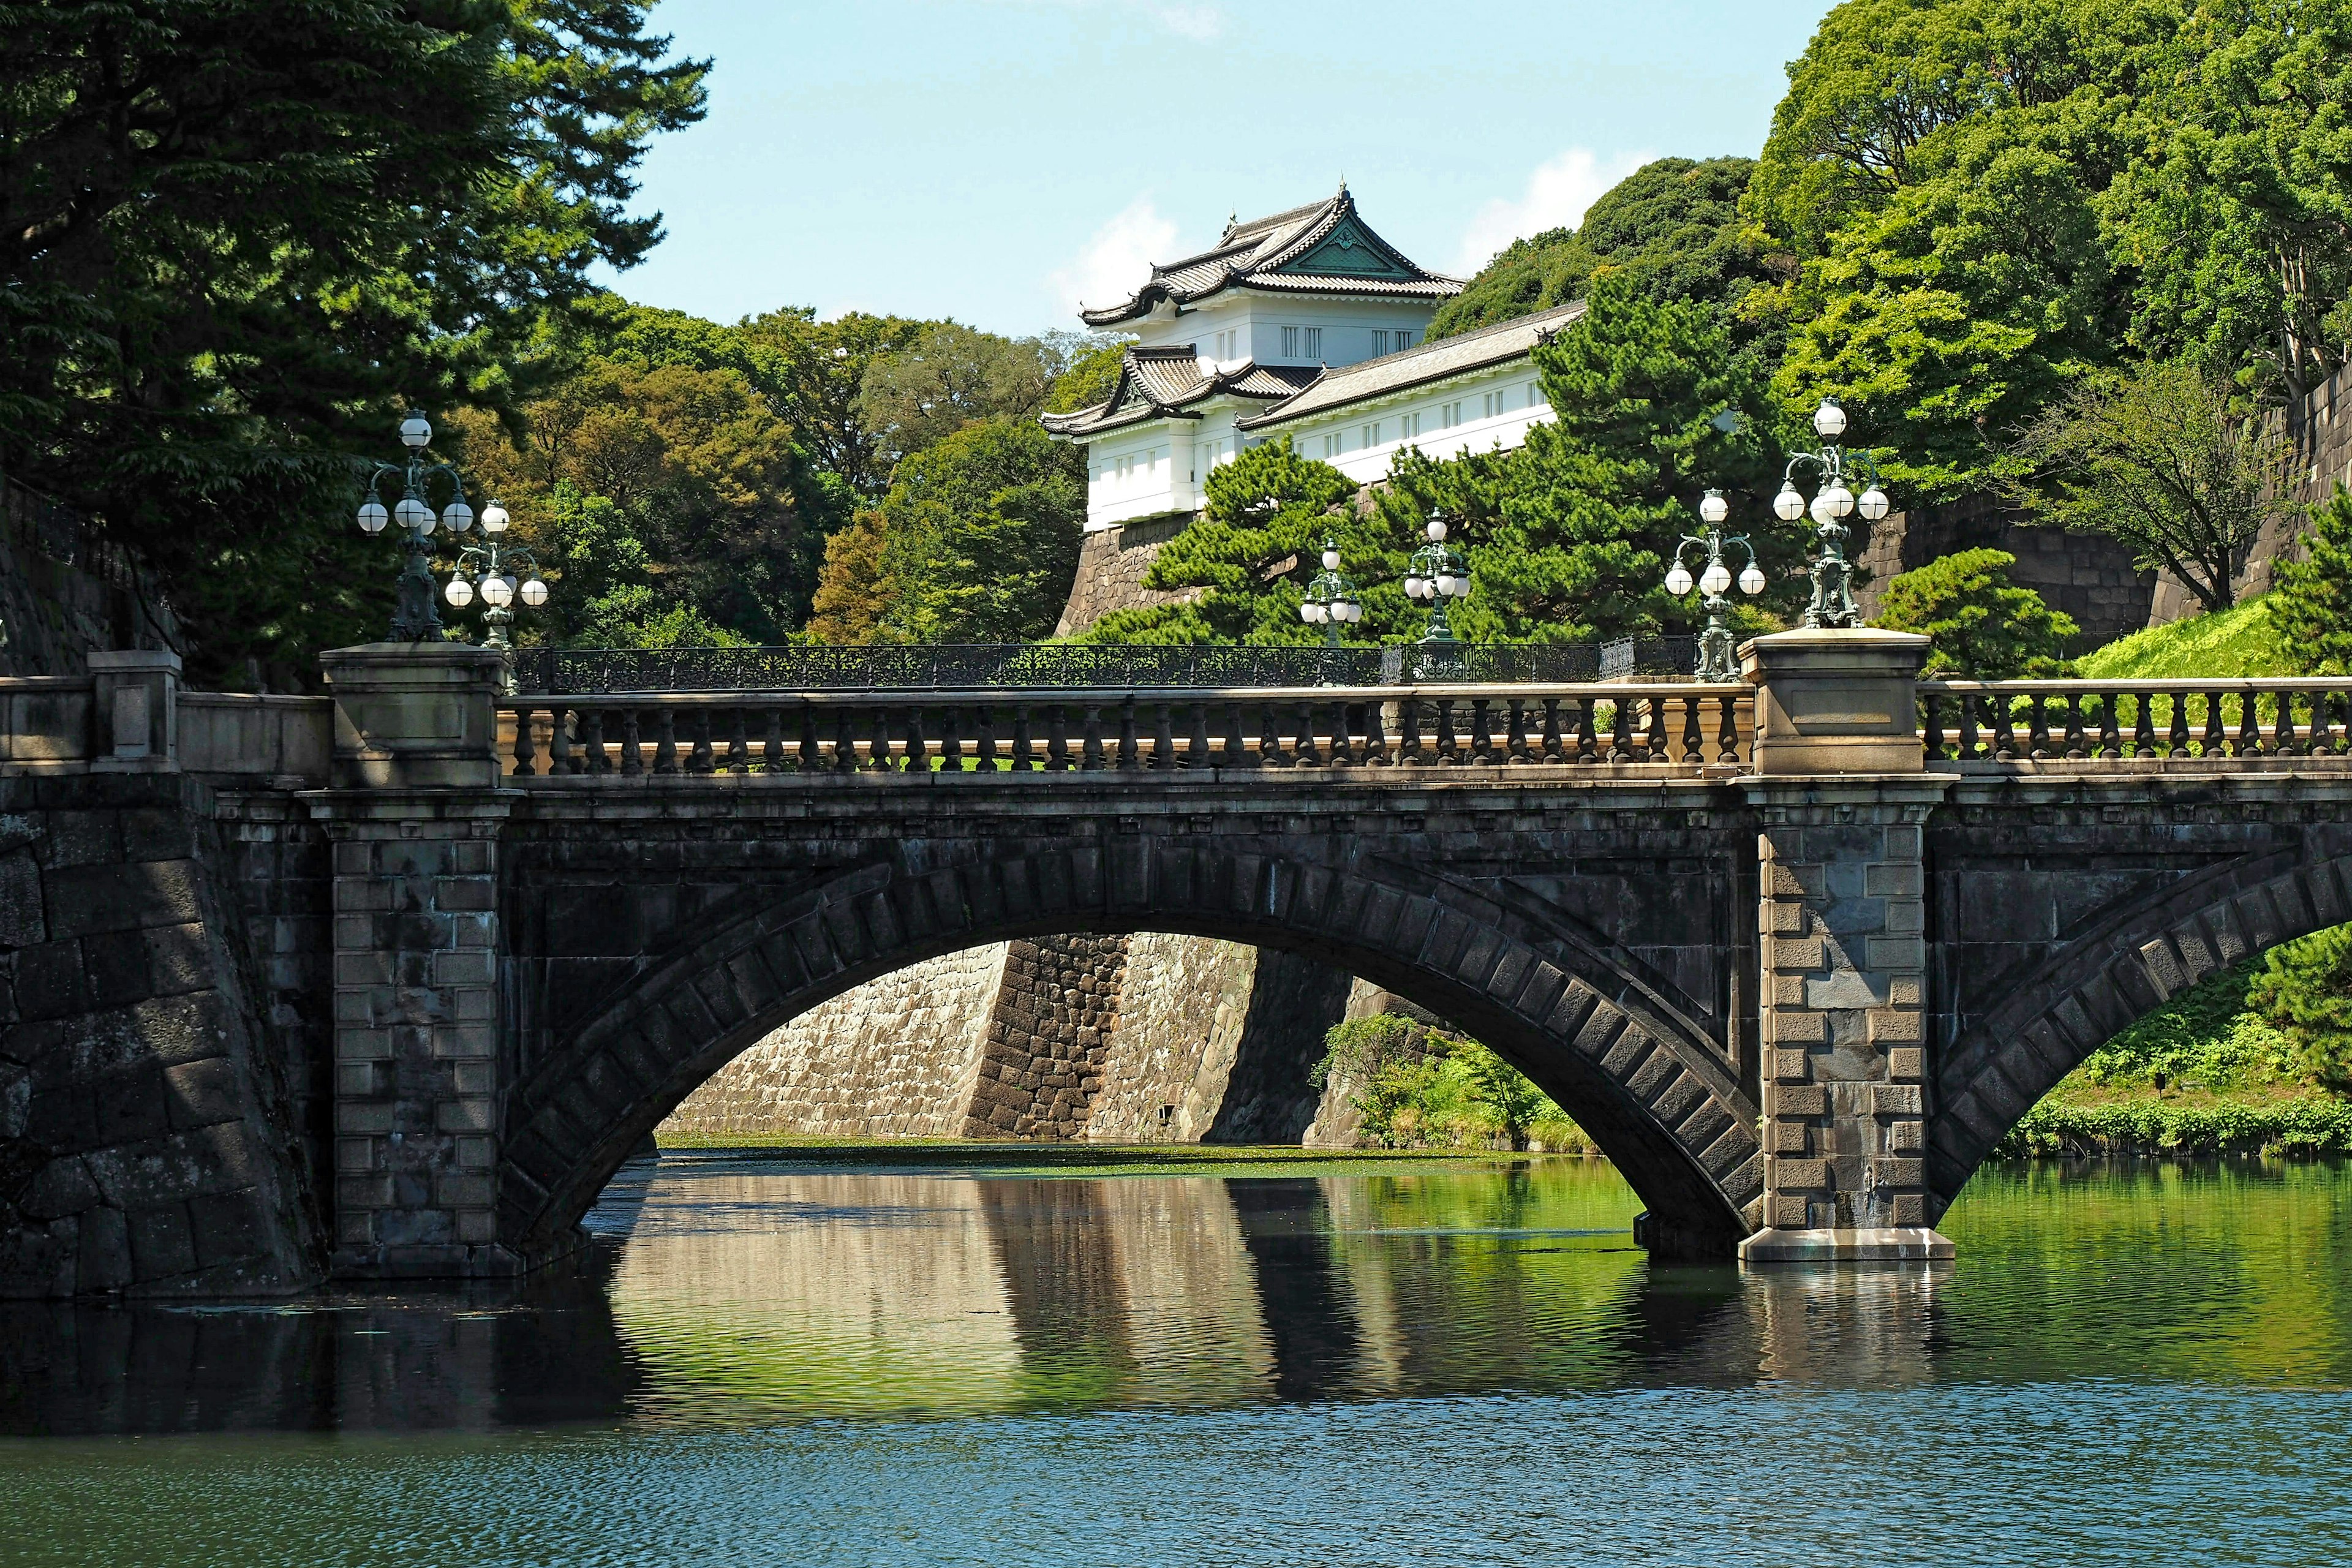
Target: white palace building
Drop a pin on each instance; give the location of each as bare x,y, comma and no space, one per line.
1305,325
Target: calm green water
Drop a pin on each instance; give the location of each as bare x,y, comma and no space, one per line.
773,1363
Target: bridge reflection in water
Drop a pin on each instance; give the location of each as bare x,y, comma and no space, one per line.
732,1292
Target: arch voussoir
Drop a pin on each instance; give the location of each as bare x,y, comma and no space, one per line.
1657,1101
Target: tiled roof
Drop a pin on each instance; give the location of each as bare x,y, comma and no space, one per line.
1163,382
1416,366
1287,251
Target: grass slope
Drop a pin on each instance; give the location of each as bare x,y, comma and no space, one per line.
2238,641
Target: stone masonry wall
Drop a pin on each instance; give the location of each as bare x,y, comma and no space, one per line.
897,1057
1111,563
145,1129
2089,577
1179,1027
1047,1041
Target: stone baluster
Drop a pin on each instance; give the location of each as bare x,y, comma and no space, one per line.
1515,732
1130,748
2143,724
772,751
1163,736
950,739
1376,739
1621,730
633,745
1482,737
2110,736
1024,758
592,742
1091,758
1409,752
2037,725
2004,727
1693,737
844,739
1931,724
878,739
1237,753
525,753
2250,734
1057,739
697,759
2078,744
918,750
1197,753
1654,749
2177,736
2209,743
1588,738
559,741
1269,738
1448,754
665,740
1343,755
738,743
1306,755
1551,747
1971,739
985,743
811,751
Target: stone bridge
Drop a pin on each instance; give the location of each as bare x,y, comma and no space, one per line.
389,984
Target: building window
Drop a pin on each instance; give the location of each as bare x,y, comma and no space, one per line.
1449,414
1535,394
1290,342
1408,427
1334,445
1403,339
1379,343
1372,434
1489,404
1314,336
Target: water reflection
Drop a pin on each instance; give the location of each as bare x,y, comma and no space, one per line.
729,1290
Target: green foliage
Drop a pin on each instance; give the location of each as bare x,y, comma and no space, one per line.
244,235
2158,460
2206,1037
1251,555
608,598
1090,370
2305,992
1673,224
1422,1089
2306,1127
1984,626
976,540
2241,640
2311,601
1569,537
949,377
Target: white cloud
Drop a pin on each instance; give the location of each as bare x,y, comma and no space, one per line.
1556,194
1115,259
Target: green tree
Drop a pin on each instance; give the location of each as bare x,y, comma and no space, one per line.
1651,408
2159,460
1673,223
949,377
1250,555
976,540
1984,626
2303,990
241,236
2311,600
604,593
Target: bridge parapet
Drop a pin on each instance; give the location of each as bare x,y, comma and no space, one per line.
1684,727
2237,722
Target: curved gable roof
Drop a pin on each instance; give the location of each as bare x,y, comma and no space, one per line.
1323,248
1168,382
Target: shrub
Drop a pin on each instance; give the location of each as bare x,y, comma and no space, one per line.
2305,992
1985,627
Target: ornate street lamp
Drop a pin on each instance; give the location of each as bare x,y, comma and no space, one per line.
1330,601
415,617
488,570
1436,574
1713,584
1832,603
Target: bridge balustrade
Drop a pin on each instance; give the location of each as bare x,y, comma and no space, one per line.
1681,726
2024,721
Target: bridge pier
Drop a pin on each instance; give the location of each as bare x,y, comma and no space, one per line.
413,817
1842,907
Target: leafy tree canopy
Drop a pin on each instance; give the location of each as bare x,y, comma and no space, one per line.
2311,604
242,236
1984,626
976,540
1675,223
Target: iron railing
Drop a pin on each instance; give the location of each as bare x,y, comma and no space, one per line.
1072,666
1686,726
2098,720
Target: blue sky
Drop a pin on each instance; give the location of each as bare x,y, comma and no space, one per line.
997,161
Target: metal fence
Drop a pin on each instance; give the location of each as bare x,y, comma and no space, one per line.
1086,667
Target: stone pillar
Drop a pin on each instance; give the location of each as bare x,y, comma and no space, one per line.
415,814
135,710
1843,794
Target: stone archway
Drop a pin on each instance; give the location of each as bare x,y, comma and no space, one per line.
2106,978
1579,1018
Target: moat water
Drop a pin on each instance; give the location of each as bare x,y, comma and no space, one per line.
1423,1364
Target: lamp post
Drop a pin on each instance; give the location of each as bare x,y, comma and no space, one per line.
1832,603
415,617
1330,601
1713,584
488,570
1436,574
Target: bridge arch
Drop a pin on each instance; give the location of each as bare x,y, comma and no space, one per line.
2132,958
1583,1019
